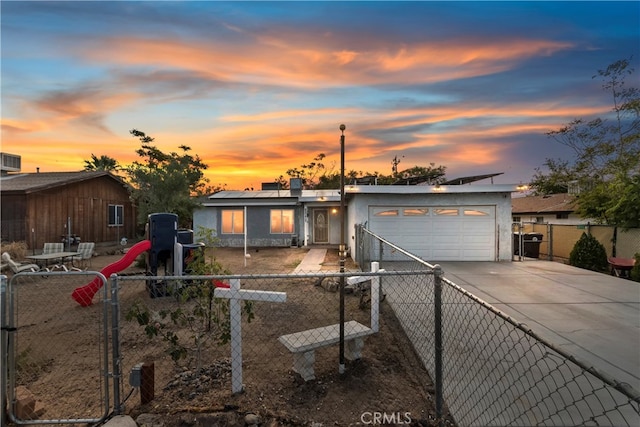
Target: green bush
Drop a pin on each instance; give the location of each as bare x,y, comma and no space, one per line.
635,271
589,254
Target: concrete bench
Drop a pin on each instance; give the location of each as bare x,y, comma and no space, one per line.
303,344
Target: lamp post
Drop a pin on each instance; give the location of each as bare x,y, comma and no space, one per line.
342,249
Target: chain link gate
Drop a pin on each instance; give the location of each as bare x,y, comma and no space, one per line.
46,379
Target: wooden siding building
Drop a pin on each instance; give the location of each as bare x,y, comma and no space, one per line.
43,207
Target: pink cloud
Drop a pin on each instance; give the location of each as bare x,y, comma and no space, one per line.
297,61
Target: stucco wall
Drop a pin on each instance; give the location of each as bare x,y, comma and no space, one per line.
207,218
258,226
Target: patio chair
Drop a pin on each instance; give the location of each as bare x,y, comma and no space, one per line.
17,267
53,248
86,253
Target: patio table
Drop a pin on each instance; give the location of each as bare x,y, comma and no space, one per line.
43,259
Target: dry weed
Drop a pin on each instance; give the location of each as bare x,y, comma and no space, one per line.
17,250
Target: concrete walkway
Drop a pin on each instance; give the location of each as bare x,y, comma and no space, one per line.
594,316
312,261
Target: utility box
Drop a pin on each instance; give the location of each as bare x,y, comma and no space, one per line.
529,243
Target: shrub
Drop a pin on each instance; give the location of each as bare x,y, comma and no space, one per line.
589,254
197,319
635,271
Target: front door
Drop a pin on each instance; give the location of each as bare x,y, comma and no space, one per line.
320,226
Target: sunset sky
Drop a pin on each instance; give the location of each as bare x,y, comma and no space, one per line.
256,88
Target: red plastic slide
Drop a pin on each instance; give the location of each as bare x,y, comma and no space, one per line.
84,294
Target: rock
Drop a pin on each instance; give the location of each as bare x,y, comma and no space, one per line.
25,404
120,421
330,284
252,419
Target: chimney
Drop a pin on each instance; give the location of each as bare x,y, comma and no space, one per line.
295,185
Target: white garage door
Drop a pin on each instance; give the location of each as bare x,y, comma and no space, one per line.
438,233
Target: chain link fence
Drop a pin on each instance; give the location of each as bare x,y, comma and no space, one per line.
267,344
559,239
494,370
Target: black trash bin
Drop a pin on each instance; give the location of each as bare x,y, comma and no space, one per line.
530,244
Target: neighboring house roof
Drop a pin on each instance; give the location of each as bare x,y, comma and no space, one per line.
32,182
553,203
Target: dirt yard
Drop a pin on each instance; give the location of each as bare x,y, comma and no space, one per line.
387,380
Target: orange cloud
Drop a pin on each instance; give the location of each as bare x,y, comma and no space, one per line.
294,60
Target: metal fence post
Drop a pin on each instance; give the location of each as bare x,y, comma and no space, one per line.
115,344
437,298
4,337
550,241
376,289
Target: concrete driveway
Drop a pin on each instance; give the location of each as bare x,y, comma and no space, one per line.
594,316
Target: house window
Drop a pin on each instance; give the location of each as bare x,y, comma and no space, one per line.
540,219
233,221
562,216
282,221
116,215
517,219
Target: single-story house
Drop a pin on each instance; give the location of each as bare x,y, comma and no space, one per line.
435,222
552,209
47,206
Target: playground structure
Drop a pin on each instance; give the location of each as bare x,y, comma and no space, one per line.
167,252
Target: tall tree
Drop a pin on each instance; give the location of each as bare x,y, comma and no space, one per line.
606,167
316,175
431,174
311,172
166,182
556,181
102,163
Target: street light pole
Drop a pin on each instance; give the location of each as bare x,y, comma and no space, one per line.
342,248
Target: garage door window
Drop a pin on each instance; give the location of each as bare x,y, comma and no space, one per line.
385,212
446,212
415,212
475,212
